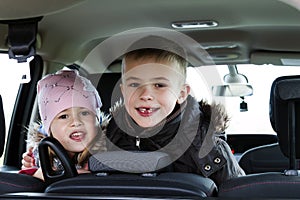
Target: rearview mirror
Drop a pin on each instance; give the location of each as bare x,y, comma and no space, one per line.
232,90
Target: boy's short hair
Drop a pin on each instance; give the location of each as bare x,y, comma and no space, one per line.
159,48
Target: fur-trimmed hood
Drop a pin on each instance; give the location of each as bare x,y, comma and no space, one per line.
217,116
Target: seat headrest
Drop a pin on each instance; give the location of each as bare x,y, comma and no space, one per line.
284,91
129,162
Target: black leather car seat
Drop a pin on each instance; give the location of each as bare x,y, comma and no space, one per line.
134,174
13,182
265,158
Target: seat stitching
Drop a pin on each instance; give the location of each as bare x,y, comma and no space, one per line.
264,183
20,186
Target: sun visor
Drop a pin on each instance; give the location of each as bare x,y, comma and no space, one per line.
275,58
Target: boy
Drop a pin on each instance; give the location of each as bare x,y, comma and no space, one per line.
159,114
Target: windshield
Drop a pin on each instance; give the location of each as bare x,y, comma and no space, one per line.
256,119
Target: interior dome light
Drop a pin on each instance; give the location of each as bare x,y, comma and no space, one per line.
194,24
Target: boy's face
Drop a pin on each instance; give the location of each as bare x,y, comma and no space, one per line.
74,128
151,89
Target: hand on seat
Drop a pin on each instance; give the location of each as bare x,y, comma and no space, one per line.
28,160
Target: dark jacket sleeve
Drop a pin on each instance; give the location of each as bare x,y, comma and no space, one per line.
214,158
231,169
219,164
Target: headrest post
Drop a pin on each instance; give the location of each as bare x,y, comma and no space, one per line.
292,134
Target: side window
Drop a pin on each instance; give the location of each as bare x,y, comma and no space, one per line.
12,74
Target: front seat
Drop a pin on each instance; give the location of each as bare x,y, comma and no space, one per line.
13,182
265,158
284,117
134,174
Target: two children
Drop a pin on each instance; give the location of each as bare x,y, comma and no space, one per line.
158,114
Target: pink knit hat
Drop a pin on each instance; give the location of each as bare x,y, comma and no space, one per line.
63,90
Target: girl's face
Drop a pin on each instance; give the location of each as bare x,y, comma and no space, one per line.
151,89
75,128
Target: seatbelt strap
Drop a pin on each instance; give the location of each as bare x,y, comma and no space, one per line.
21,38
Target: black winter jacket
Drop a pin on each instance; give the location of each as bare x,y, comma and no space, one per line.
192,135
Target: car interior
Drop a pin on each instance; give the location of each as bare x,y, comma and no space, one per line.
283,116
237,51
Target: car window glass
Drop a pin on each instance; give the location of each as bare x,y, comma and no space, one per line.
11,75
256,119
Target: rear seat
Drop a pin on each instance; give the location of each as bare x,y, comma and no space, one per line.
108,86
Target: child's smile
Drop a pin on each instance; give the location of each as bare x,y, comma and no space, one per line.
146,111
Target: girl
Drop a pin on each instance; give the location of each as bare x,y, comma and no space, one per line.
69,107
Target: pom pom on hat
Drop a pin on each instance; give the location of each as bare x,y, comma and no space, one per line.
63,90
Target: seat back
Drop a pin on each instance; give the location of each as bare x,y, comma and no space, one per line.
12,183
108,86
270,185
265,158
137,174
285,115
168,185
285,118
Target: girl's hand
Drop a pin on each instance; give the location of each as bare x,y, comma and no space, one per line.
84,169
28,159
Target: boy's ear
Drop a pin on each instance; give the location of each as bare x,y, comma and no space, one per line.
184,92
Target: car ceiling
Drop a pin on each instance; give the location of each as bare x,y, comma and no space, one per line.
255,31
